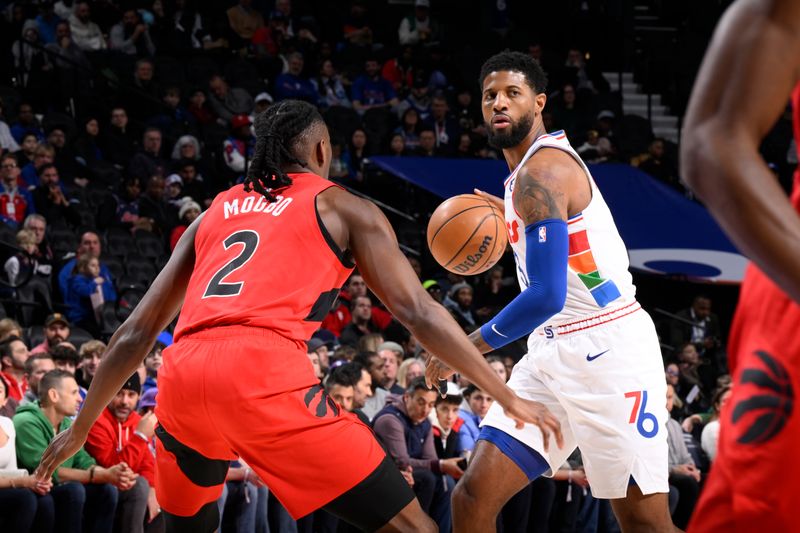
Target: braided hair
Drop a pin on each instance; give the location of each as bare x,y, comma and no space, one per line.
278,129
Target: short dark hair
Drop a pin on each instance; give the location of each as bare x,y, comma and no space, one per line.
517,62
363,359
32,359
64,353
417,384
5,346
52,380
347,375
469,390
47,166
451,399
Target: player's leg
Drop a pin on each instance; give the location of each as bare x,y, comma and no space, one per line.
188,486
491,479
639,512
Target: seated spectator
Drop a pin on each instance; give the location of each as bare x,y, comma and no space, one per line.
121,436
293,85
67,56
474,408
148,161
498,366
468,114
7,141
392,355
119,141
173,119
371,90
13,355
397,145
20,266
23,507
355,155
226,101
313,356
567,113
56,331
595,149
89,243
28,146
585,75
408,370
370,342
66,358
340,317
444,126
329,88
44,154
153,206
91,353
82,491
130,36
36,366
362,323
121,208
200,108
89,291
262,102
464,148
419,28
15,202
269,40
153,361
86,34
188,213
427,143
32,63
50,200
407,434
193,183
23,271
143,100
694,376
47,21
459,304
244,20
400,70
683,474
373,364
710,436
447,423
349,376
9,328
492,294
186,147
409,126
26,123
239,146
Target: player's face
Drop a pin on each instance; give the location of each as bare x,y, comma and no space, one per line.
510,108
447,414
419,404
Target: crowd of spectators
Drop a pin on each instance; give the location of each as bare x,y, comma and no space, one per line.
118,125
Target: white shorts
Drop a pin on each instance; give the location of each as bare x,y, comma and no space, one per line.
605,383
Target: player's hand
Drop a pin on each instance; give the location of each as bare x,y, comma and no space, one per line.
408,475
579,478
689,422
62,447
494,200
451,468
153,508
536,413
436,374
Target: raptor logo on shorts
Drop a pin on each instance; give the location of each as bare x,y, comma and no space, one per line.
767,402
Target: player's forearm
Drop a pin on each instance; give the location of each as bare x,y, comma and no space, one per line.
477,340
440,335
732,179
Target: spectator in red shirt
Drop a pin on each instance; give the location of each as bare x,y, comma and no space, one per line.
121,435
13,354
341,317
15,203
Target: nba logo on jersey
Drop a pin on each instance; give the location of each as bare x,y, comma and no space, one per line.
543,234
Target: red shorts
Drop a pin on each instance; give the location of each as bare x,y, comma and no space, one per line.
754,477
240,392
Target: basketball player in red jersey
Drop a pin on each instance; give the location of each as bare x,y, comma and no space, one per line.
751,69
255,276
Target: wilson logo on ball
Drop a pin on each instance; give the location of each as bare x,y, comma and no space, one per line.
762,414
472,260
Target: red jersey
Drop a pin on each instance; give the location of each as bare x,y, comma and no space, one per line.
261,264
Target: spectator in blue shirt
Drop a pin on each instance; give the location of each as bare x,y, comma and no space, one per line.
292,84
47,22
88,292
371,90
90,243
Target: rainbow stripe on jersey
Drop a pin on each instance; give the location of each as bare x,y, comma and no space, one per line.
581,260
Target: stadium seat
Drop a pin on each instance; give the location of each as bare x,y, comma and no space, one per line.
140,269
109,319
148,244
119,243
114,266
78,336
63,240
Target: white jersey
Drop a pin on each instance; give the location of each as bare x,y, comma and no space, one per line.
597,277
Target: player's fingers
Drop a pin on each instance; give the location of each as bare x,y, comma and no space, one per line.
545,436
555,426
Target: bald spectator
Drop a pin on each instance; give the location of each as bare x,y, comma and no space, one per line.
85,33
226,101
36,366
148,162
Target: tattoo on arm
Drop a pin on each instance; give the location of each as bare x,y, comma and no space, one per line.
538,198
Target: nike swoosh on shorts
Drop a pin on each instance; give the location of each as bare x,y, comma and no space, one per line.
590,357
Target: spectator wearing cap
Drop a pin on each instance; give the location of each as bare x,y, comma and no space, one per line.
56,331
406,432
174,189
262,100
148,161
238,147
82,491
433,288
147,401
318,350
13,356
122,435
188,213
91,353
227,101
292,84
460,306
418,27
36,366
153,360
392,355
371,90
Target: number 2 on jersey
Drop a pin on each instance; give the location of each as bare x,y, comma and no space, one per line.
217,287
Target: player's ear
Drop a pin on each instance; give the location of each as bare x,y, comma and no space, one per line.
321,152
541,100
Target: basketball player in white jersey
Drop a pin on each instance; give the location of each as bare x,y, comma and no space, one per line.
593,355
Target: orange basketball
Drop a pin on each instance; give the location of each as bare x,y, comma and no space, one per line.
467,234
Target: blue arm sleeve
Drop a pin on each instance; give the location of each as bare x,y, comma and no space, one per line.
547,251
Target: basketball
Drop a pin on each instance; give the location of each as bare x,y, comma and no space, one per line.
467,234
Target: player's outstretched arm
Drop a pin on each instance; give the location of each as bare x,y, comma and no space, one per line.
743,86
127,349
366,232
